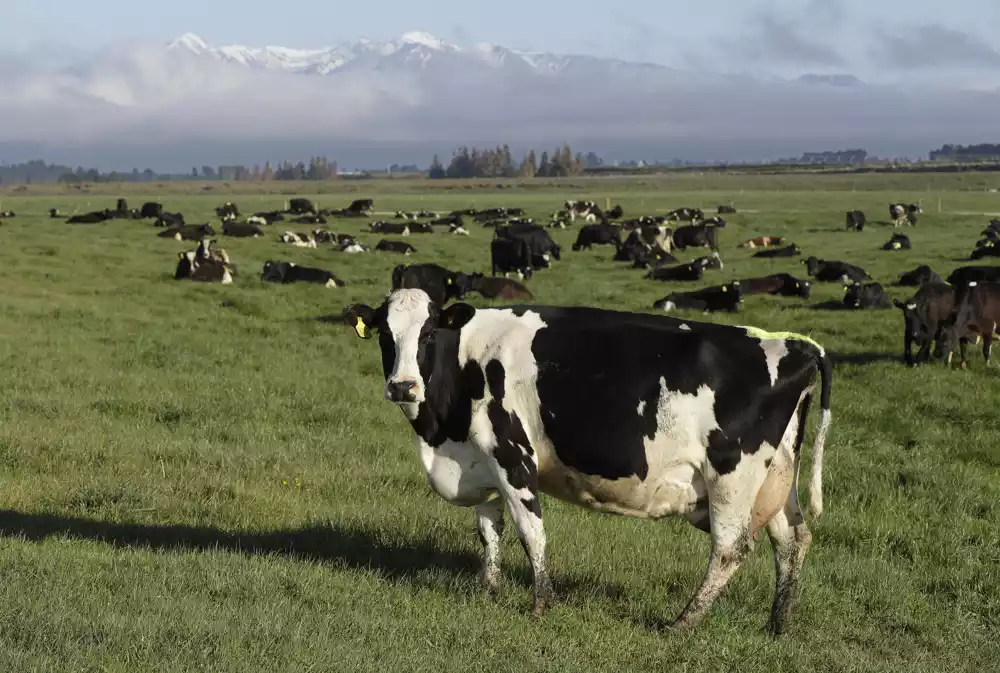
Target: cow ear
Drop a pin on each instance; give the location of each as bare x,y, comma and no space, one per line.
456,316
362,318
899,304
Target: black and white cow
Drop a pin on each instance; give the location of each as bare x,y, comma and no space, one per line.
270,216
543,248
509,255
688,419
188,232
241,230
778,284
383,227
296,239
686,214
830,271
588,210
289,272
696,236
206,264
856,220
900,212
361,207
151,210
301,207
728,297
866,296
898,242
924,316
438,282
985,248
228,211
7,214
977,312
919,276
165,219
398,247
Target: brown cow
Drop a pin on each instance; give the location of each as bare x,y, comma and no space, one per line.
492,288
977,313
763,242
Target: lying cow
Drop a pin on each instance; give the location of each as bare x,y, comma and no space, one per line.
383,227
241,230
165,219
762,242
726,210
788,251
779,284
976,313
829,271
866,296
300,207
228,211
686,214
438,282
919,276
695,236
897,242
188,232
727,297
289,272
683,272
204,265
693,419
924,316
298,240
54,213
597,234
856,220
309,219
270,216
961,277
94,217
397,247
151,210
898,212
985,248
7,214
492,288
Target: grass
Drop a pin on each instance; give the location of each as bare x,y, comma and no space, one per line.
205,478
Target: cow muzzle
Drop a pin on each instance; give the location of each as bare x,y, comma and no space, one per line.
402,392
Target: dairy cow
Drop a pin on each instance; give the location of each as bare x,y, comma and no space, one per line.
788,251
919,276
977,312
856,220
779,284
898,242
289,272
866,296
727,297
492,288
438,282
398,247
829,271
626,413
924,316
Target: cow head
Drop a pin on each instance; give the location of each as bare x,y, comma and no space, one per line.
803,288
408,324
812,265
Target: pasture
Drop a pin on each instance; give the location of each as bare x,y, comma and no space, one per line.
205,477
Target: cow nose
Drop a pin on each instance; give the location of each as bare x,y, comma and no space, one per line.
400,391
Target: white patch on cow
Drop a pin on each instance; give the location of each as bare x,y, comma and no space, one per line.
459,472
973,283
774,351
911,305
331,283
227,278
669,306
685,327
354,248
641,408
408,310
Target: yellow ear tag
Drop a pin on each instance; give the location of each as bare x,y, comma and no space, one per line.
725,289
361,328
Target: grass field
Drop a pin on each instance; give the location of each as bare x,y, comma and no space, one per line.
200,477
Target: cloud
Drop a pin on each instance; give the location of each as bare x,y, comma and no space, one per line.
933,46
787,40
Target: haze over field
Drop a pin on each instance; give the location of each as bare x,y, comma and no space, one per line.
762,82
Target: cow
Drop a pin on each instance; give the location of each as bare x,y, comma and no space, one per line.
383,227
402,215
762,242
713,261
511,255
683,272
55,214
686,214
289,272
728,297
206,251
398,247
298,240
165,219
726,210
458,230
241,230
924,316
206,264
301,207
228,211
597,234
963,275
492,288
121,206
150,210
543,248
421,228
652,235
588,210
615,213
188,232
977,312
921,275
788,251
653,258
829,271
866,296
904,211
270,216
985,248
692,419
361,207
325,236
439,283
695,236
7,214
778,284
897,242
352,246
856,220
94,217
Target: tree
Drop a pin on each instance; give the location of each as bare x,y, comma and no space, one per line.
544,166
436,171
268,172
528,167
194,172
208,172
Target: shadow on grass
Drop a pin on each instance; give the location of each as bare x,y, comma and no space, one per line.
866,358
831,305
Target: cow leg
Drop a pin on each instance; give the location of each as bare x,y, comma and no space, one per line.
489,524
988,343
790,540
963,345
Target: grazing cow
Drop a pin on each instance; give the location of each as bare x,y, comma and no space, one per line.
398,247
301,207
383,227
834,272
686,214
241,230
188,232
439,283
897,242
788,251
540,243
904,211
693,419
866,296
856,220
963,275
228,211
597,234
726,210
270,217
977,313
695,236
985,248
588,210
298,240
511,255
289,272
361,207
95,217
727,297
151,210
54,213
683,272
762,242
922,275
165,219
778,284
492,288
924,317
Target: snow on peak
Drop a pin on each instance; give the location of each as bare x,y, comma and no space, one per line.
190,41
421,38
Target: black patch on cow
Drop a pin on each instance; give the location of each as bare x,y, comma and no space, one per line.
495,376
513,451
446,412
533,506
473,380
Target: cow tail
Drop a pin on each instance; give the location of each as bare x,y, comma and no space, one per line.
816,483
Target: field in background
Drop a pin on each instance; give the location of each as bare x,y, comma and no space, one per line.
205,477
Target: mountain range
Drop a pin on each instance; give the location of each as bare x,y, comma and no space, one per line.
416,92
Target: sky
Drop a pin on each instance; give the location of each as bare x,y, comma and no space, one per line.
876,40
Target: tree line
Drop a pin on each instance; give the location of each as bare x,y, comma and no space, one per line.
499,163
967,152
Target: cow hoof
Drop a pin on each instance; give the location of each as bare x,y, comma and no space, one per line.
539,609
964,365
775,628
